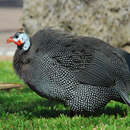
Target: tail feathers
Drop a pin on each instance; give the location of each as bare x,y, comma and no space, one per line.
125,97
128,87
126,55
122,90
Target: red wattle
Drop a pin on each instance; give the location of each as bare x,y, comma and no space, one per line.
19,42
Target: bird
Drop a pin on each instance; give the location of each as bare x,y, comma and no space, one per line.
126,55
84,73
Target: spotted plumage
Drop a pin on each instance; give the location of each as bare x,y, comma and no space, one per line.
82,72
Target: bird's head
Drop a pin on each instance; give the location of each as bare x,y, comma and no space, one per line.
21,39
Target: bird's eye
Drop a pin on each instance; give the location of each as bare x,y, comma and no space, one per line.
16,36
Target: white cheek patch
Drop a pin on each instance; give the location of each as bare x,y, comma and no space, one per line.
26,45
26,41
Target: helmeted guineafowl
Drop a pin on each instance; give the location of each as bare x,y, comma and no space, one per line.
84,73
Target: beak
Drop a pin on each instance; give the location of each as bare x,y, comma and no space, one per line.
10,40
18,43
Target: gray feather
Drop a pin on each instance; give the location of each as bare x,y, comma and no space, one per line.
84,73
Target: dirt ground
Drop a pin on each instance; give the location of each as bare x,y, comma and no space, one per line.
9,23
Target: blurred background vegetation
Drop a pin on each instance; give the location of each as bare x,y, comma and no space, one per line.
108,20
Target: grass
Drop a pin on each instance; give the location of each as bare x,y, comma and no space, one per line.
24,110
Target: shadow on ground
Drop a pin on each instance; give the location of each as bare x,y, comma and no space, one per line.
45,108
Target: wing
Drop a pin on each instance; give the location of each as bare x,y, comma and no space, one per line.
89,66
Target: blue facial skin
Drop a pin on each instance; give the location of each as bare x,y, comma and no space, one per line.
24,39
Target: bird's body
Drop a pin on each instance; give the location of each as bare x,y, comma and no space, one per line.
84,73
